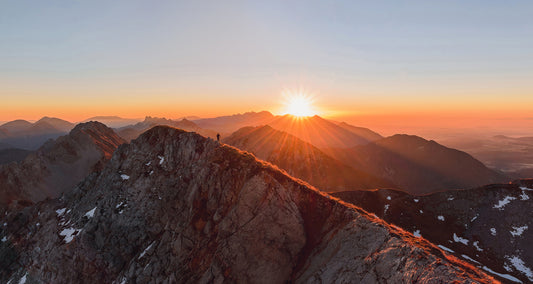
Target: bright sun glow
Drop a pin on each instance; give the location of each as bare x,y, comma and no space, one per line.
299,105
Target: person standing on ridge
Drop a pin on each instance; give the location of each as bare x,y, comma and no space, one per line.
218,137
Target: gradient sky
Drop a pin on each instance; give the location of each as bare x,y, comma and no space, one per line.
358,59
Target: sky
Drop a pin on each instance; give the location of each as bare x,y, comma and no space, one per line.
366,62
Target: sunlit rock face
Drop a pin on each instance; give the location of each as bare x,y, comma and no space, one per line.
58,165
175,207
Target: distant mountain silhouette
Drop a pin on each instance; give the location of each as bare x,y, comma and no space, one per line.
30,136
365,133
492,225
113,121
176,207
419,166
133,131
16,126
56,123
228,124
323,133
58,165
302,160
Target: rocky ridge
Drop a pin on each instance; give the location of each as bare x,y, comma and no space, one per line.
174,207
491,226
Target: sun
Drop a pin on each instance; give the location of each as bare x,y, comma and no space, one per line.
299,105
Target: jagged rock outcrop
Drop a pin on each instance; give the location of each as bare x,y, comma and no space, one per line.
302,160
58,165
491,225
177,207
417,165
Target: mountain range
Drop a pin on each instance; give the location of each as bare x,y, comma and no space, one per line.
173,206
302,160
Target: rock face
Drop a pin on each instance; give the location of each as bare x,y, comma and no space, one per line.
177,207
133,131
58,165
302,160
417,165
491,225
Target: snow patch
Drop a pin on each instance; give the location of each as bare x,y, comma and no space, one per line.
90,213
161,159
450,198
475,217
416,200
469,258
151,172
4,239
524,196
146,250
386,208
506,276
120,204
149,163
417,234
518,230
388,198
61,211
440,217
421,211
125,177
476,245
526,188
520,266
5,224
493,231
504,202
23,279
458,239
68,234
445,248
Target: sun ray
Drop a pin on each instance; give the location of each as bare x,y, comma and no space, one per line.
299,104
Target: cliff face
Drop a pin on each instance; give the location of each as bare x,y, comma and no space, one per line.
58,165
174,206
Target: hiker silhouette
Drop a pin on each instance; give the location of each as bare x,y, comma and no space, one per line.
218,137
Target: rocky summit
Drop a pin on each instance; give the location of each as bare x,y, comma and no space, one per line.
175,207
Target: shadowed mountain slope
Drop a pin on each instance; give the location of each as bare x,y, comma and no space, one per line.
302,160
491,224
177,207
322,133
13,155
417,165
58,165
